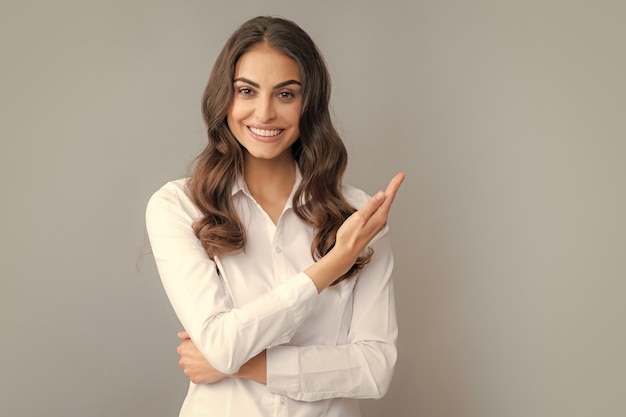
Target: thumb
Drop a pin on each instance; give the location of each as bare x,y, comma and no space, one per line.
183,335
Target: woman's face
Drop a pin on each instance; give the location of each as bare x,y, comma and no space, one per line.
267,101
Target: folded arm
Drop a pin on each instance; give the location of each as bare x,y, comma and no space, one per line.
230,337
361,368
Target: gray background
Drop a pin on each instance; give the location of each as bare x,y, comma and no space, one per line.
508,117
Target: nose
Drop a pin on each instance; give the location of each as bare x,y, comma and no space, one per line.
265,110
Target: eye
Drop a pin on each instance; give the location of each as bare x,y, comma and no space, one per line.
245,91
286,95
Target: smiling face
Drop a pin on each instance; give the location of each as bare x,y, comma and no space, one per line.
265,111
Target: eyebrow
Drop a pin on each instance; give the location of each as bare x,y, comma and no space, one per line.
277,86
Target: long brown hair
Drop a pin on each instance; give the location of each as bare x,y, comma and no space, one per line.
319,152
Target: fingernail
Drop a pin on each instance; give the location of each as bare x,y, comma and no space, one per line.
380,196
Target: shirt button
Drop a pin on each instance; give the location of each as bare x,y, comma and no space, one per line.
278,249
282,400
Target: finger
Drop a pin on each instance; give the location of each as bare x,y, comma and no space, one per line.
372,205
394,184
392,188
183,335
390,194
186,348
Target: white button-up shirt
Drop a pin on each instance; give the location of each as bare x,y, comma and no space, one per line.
324,351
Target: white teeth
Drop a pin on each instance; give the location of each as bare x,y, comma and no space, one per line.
262,132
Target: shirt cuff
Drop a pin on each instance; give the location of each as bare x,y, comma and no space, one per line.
305,292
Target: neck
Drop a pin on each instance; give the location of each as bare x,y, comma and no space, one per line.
270,179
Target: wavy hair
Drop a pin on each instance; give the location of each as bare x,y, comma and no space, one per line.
319,151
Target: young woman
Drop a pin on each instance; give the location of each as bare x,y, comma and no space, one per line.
283,288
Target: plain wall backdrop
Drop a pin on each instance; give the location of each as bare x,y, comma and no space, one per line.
509,233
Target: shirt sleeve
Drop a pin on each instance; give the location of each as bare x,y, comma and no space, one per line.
228,337
361,368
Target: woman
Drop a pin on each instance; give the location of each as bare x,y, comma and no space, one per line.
283,288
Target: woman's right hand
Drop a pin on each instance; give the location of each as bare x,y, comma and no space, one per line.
195,366
354,235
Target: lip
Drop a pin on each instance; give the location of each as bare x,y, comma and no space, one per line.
265,139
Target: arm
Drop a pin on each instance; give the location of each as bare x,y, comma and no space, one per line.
363,367
228,337
199,371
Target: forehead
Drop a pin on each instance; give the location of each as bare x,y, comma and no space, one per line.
264,64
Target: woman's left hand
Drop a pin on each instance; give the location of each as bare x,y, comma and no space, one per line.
194,364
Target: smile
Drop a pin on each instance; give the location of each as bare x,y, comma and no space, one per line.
264,132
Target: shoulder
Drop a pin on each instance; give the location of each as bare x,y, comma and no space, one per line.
172,191
172,197
174,187
355,196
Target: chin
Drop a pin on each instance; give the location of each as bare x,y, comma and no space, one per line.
269,155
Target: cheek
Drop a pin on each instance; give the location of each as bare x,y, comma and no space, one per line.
237,111
294,114
233,121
